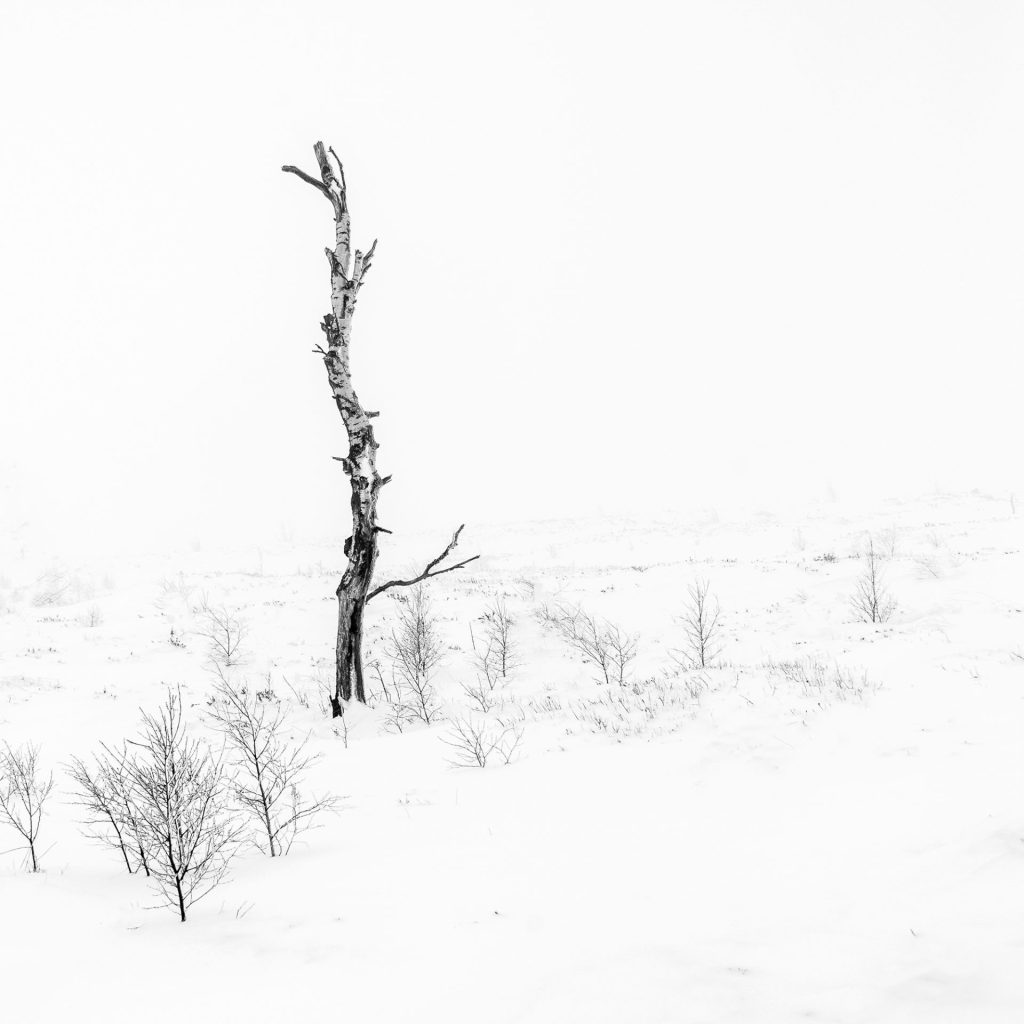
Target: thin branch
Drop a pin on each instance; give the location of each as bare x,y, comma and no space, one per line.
341,169
430,570
364,260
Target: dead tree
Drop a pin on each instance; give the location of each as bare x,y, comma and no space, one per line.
348,272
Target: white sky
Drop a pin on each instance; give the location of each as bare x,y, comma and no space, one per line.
631,256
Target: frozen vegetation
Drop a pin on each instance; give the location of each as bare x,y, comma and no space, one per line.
748,771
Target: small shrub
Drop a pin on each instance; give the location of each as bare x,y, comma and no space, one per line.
24,790
180,794
871,600
104,792
601,644
270,767
475,740
501,647
92,618
225,633
415,651
701,629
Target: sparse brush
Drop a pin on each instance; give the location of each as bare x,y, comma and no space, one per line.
176,587
314,694
601,644
929,567
549,704
813,677
656,703
475,740
24,790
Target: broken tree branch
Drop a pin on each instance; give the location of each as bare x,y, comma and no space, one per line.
430,570
364,260
309,179
341,169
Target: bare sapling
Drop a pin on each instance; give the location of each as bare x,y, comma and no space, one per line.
225,634
602,645
415,650
493,657
271,767
476,740
104,792
384,694
482,693
889,542
181,794
485,660
701,628
872,601
24,790
500,642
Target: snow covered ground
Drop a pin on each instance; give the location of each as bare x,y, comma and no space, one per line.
751,844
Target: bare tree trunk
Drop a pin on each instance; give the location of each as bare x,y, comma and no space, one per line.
347,274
